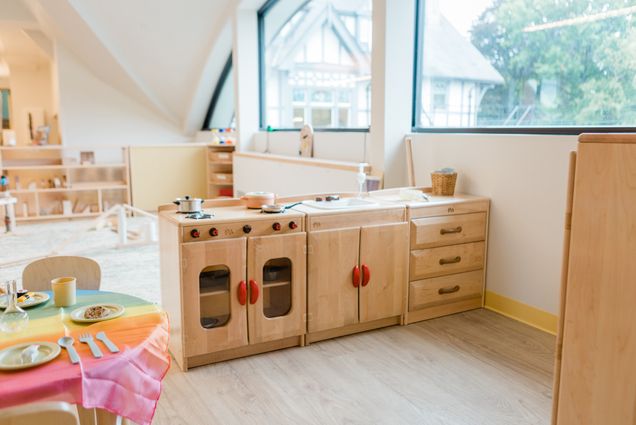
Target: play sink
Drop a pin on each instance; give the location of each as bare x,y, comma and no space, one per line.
340,204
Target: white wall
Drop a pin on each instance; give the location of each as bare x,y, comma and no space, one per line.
327,145
526,179
95,114
286,179
31,87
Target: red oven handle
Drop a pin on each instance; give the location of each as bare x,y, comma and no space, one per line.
242,292
253,291
356,276
366,275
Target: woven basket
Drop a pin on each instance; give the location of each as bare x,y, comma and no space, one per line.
443,183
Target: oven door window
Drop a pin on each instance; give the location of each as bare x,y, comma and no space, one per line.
277,287
214,296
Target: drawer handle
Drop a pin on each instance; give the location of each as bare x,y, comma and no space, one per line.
457,229
453,260
448,290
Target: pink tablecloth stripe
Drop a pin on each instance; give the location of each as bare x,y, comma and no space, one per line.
130,385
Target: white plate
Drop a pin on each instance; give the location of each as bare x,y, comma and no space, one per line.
11,357
37,299
115,310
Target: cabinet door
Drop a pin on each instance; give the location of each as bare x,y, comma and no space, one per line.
598,373
277,285
213,277
332,297
384,253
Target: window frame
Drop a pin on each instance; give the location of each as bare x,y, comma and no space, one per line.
262,107
217,93
417,96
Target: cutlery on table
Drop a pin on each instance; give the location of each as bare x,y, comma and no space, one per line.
67,343
88,339
107,342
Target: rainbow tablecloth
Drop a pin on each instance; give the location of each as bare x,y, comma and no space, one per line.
127,383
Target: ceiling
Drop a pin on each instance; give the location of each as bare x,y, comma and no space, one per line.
165,55
21,41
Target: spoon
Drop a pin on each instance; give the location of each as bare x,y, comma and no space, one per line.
67,342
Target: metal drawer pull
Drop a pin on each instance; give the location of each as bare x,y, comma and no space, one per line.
457,229
443,261
448,290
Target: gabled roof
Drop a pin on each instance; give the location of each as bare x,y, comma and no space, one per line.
449,55
283,49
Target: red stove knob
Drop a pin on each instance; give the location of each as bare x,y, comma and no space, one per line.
194,233
292,225
214,232
247,228
276,226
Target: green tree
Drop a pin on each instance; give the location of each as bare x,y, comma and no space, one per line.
591,66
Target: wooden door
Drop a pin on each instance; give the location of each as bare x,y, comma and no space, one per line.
213,274
384,253
598,372
332,297
276,273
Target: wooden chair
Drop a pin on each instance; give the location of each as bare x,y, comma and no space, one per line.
52,412
37,275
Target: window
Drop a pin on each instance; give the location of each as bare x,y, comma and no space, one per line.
530,66
5,99
315,63
221,110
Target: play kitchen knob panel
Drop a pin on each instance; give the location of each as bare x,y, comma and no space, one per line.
239,285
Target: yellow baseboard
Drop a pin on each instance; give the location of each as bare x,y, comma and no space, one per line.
522,312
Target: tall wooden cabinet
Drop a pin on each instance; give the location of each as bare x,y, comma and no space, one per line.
595,379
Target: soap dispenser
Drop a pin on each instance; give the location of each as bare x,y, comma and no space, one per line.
361,177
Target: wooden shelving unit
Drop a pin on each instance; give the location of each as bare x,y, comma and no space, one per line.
220,178
42,178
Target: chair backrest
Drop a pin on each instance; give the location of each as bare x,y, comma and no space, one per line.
37,275
51,412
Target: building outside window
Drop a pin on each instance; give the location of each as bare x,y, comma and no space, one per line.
522,63
316,60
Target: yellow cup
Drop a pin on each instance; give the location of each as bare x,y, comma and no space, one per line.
64,291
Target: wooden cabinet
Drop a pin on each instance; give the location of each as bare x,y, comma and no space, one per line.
276,277
213,272
356,275
219,170
332,292
447,259
384,268
60,182
234,296
595,375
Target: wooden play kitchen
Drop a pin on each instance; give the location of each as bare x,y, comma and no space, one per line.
237,281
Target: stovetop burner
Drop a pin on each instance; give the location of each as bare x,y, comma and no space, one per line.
199,216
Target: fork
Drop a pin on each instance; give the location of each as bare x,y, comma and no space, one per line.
88,339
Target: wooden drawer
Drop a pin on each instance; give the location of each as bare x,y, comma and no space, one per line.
220,157
221,178
447,230
445,289
445,260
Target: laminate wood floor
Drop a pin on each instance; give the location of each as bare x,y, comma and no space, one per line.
470,368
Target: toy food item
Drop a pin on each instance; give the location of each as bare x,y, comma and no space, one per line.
95,312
